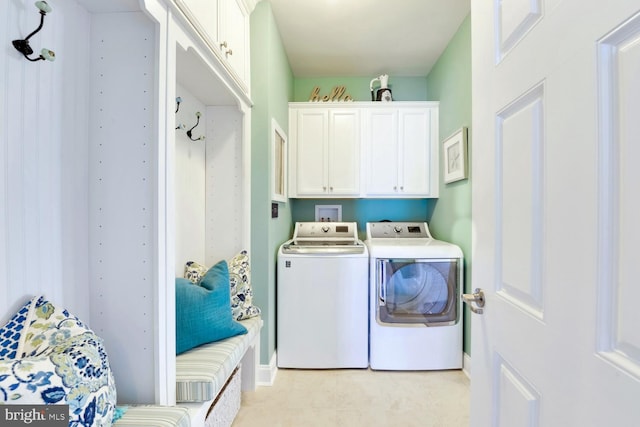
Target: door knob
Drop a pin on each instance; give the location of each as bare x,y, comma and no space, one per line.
476,298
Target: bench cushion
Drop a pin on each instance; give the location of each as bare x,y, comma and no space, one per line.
154,416
202,372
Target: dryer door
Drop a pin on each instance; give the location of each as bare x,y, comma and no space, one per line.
418,291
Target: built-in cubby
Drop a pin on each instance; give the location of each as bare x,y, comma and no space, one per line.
95,169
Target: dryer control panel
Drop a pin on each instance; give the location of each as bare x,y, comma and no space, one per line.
398,230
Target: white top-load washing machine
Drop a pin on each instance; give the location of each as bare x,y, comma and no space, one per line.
415,309
322,298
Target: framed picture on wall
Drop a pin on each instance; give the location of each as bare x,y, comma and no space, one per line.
454,154
278,163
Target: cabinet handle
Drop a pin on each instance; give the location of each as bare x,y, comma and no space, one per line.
401,188
330,188
395,188
228,52
223,44
324,188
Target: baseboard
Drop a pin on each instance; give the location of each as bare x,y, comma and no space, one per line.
267,373
466,365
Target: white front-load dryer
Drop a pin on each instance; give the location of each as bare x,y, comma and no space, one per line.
414,299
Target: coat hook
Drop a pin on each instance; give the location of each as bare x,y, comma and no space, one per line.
194,126
22,45
178,101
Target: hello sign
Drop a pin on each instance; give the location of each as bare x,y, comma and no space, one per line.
337,94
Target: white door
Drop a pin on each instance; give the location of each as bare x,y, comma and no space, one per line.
234,33
382,151
416,148
556,211
310,155
344,152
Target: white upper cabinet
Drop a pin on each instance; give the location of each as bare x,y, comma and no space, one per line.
224,26
324,152
401,151
363,149
233,36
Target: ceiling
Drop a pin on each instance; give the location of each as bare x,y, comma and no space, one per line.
328,38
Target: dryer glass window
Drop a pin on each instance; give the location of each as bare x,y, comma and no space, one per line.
418,291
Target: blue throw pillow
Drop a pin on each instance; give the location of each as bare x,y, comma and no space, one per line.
203,313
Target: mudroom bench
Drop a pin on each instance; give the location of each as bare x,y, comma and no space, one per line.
209,379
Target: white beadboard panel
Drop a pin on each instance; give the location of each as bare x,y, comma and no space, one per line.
619,58
36,100
122,153
520,133
72,63
190,182
226,231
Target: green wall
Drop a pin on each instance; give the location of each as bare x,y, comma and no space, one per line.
366,210
271,90
450,83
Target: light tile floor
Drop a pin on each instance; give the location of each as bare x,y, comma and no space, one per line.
359,397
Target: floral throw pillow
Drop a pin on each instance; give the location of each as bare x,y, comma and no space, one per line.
194,272
241,291
11,333
60,361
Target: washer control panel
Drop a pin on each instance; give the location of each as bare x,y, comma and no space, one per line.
398,230
326,232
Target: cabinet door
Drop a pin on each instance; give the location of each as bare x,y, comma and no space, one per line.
344,152
415,152
382,152
204,15
311,152
233,39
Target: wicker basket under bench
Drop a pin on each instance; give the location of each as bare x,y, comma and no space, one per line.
209,379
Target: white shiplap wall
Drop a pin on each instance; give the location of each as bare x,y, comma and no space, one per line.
190,184
122,196
43,179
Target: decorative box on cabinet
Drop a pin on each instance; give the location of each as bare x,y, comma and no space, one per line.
324,151
402,151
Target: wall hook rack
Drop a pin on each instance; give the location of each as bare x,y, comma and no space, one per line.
189,132
22,45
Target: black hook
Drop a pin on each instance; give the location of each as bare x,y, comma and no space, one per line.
189,134
22,45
